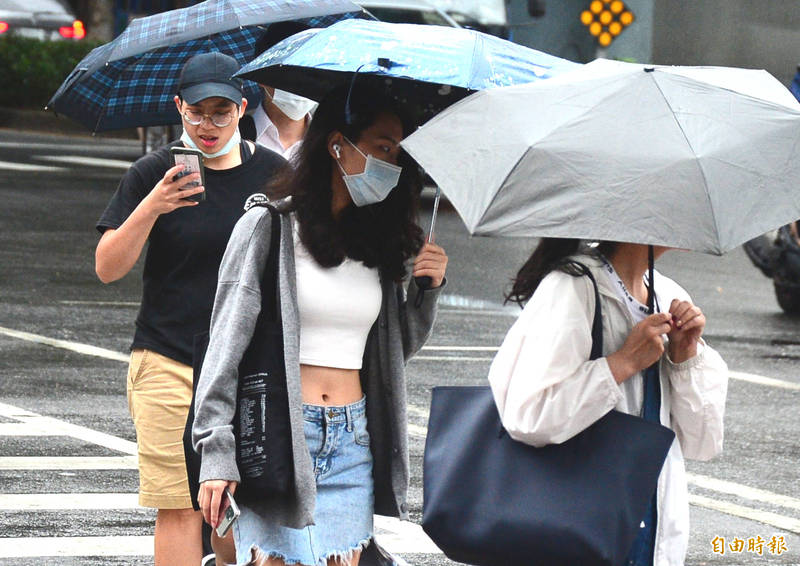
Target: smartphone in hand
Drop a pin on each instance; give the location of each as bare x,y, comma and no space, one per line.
192,161
230,512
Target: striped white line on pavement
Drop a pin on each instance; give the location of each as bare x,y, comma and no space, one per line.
461,348
773,519
449,359
118,356
394,535
68,463
21,429
31,547
66,345
92,161
63,428
103,303
67,501
403,537
10,166
762,380
739,490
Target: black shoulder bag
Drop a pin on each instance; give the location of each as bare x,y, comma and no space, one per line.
261,422
489,500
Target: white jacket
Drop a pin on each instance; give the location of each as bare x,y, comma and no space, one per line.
547,390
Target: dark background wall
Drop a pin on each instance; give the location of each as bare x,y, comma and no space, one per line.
762,34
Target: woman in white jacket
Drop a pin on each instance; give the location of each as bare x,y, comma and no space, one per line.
547,390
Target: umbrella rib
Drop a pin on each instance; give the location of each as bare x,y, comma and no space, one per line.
689,143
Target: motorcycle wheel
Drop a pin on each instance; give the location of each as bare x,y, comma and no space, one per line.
788,298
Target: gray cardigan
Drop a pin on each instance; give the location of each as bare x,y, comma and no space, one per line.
399,332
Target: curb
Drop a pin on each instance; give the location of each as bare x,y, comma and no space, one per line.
47,121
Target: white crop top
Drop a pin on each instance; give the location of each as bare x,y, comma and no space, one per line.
338,306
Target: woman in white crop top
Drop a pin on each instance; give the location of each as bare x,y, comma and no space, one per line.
354,200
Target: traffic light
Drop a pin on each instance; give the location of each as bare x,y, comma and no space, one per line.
606,19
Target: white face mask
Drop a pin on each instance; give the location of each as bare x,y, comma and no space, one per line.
235,139
295,107
374,184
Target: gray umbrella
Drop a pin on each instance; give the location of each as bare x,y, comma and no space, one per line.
686,157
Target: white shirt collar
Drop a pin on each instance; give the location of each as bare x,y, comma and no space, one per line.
267,135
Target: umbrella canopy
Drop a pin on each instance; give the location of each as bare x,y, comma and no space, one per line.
686,157
430,66
131,80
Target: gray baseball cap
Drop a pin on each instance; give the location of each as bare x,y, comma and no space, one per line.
208,75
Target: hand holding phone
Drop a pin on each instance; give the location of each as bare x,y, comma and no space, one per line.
192,161
229,511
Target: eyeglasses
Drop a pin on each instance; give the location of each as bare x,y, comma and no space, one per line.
219,119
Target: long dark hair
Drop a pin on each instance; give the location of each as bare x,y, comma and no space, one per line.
549,255
383,235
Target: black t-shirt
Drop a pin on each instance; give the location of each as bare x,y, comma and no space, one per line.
185,246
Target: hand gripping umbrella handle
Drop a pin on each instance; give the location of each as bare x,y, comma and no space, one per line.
424,282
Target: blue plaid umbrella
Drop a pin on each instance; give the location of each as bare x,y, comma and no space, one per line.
131,80
428,66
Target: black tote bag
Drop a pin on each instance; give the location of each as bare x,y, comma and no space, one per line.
261,422
492,501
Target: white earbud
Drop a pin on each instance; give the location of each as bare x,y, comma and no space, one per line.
337,149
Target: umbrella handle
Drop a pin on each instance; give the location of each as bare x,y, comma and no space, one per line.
424,282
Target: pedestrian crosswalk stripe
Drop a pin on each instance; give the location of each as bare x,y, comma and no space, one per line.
63,428
396,536
68,463
739,490
20,429
67,501
92,161
765,517
10,166
33,547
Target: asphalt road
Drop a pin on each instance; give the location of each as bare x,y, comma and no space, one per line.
67,474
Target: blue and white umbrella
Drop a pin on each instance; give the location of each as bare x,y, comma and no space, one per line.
131,80
430,66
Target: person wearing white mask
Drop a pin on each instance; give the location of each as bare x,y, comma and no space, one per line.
186,241
281,121
352,315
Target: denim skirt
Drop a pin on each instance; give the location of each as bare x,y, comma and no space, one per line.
338,443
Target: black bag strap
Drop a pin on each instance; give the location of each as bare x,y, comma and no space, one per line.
270,303
597,323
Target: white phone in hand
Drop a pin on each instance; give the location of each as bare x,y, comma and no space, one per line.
230,512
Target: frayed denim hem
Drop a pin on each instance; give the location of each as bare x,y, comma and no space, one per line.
343,558
346,557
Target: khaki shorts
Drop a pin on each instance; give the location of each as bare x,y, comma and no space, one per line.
159,395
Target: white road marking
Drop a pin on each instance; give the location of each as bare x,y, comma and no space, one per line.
450,359
68,463
417,430
62,146
479,312
403,537
10,166
103,303
20,429
393,534
739,490
762,380
773,519
462,348
118,356
31,547
91,161
59,427
67,501
66,345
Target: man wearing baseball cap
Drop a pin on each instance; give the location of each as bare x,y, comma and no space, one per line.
186,240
